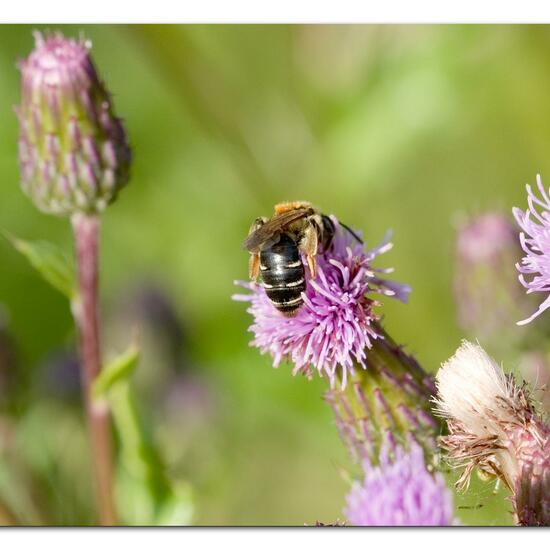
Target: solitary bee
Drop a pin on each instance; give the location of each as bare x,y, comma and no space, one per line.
275,245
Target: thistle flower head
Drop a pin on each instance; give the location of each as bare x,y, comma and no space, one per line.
400,492
73,152
486,290
493,425
470,382
485,236
335,327
535,241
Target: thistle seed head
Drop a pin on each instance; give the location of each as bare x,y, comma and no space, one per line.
494,426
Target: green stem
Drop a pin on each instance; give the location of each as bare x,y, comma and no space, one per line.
85,312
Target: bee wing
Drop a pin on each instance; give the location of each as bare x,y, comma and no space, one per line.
267,233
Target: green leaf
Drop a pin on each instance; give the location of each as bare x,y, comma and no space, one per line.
120,368
145,494
50,261
177,508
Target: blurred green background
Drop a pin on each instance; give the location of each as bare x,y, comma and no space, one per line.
387,126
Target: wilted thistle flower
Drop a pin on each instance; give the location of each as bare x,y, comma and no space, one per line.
487,293
535,241
493,425
335,327
337,333
400,491
73,151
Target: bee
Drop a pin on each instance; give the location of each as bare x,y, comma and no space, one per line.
275,245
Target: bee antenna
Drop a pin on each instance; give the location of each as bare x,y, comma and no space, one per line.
351,232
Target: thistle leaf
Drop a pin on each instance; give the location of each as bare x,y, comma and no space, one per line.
145,493
50,261
120,368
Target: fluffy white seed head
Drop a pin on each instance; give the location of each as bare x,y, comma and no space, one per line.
493,425
470,384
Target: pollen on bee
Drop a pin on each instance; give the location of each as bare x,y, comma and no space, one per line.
287,206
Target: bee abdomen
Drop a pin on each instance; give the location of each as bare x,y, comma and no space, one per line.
287,297
283,275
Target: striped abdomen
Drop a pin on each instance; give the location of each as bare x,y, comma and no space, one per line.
283,275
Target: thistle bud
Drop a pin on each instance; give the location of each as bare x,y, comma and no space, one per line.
73,151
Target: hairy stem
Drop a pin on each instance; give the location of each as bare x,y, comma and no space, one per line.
85,312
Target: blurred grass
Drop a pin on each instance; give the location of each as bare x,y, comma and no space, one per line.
397,127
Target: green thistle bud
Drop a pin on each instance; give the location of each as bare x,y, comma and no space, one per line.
73,152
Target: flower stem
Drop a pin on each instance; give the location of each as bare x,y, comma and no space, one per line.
84,307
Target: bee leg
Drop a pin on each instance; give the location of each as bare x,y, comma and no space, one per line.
308,245
312,264
254,266
254,261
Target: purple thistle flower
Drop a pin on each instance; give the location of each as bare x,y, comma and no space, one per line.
400,491
336,325
487,294
535,241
